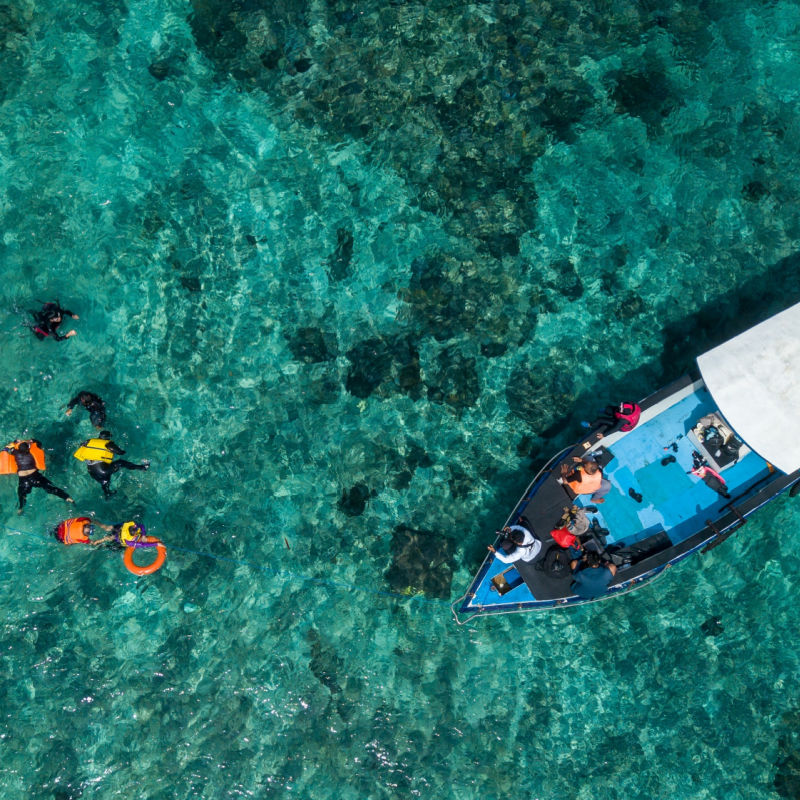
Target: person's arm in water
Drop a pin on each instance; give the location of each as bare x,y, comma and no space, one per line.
115,448
51,330
72,403
55,322
104,539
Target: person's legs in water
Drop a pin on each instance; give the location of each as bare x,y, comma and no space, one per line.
41,482
23,490
102,472
38,481
121,463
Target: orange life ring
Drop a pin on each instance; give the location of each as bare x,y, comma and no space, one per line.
161,557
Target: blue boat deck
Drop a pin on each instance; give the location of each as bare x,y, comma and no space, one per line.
672,499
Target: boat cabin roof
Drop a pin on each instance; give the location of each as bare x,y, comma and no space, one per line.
755,382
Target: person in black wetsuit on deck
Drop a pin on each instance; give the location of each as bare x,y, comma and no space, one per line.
99,454
29,475
47,320
93,404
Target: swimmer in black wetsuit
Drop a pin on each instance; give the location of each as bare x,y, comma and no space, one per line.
93,404
103,467
29,475
47,320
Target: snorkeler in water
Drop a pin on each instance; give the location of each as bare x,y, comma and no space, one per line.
99,454
47,320
78,530
93,404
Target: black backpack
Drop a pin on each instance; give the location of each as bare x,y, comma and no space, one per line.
555,563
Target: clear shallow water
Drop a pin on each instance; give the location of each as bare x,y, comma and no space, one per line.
345,274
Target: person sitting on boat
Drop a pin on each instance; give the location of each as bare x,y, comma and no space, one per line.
586,477
622,417
574,519
591,575
573,524
709,476
518,544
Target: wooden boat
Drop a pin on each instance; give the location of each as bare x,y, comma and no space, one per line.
741,418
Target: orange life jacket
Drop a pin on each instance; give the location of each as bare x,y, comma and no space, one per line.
70,531
587,484
8,464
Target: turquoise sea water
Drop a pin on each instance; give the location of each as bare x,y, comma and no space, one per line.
346,274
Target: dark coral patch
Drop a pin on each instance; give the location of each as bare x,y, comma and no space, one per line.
443,301
312,345
339,260
422,561
500,244
493,349
631,305
415,456
384,366
754,191
525,446
271,58
460,483
190,283
712,627
159,70
565,108
353,501
541,397
645,93
455,381
568,282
